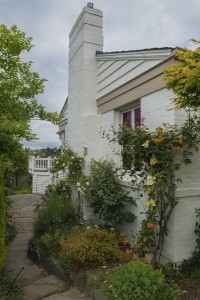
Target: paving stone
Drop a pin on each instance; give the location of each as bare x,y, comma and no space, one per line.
36,284
17,260
74,294
28,275
45,287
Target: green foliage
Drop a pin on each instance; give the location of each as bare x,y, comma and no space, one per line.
44,152
191,267
60,187
90,246
105,195
71,162
2,218
19,190
57,212
140,282
15,293
197,230
19,86
152,157
183,78
49,243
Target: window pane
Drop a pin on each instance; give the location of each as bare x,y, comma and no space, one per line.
127,118
137,117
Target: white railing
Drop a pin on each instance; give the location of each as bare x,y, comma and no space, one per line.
40,164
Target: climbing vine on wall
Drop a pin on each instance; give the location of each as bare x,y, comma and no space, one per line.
151,159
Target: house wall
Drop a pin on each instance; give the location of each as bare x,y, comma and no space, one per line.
155,109
180,241
99,77
119,72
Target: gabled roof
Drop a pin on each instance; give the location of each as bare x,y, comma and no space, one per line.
136,50
148,53
64,108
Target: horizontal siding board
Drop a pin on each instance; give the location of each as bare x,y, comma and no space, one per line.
104,66
120,77
111,70
127,68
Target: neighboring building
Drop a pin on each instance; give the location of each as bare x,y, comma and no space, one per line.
63,122
106,89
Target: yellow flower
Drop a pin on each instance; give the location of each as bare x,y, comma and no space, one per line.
158,140
150,202
153,160
151,180
146,144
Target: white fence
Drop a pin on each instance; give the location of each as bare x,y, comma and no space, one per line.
40,170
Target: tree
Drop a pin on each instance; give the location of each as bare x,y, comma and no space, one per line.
183,78
19,86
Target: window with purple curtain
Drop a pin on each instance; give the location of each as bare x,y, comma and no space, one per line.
137,117
127,118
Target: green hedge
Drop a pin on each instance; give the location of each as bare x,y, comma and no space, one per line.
2,218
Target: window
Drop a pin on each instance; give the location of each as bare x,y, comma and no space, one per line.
132,117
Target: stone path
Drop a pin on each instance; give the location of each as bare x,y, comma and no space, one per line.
36,282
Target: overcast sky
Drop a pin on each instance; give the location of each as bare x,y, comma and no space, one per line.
128,25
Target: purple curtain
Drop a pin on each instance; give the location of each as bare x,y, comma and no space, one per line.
127,118
137,117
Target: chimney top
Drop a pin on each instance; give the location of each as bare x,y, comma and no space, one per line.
90,4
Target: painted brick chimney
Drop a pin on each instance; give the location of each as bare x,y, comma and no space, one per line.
86,37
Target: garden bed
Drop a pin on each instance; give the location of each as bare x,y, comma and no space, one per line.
76,278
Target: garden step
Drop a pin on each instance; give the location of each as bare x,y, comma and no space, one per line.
28,275
45,287
72,294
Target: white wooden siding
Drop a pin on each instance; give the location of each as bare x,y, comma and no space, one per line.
115,75
155,109
40,182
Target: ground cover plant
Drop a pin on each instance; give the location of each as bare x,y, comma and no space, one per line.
9,292
56,212
19,190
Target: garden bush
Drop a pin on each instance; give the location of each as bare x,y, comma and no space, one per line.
90,246
2,218
191,267
57,213
105,195
139,281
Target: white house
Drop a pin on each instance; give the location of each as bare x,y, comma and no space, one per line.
106,88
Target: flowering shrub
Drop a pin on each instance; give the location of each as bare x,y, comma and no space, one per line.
105,195
154,155
90,246
70,165
60,187
69,161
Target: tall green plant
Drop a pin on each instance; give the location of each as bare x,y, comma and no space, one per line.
57,213
107,199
